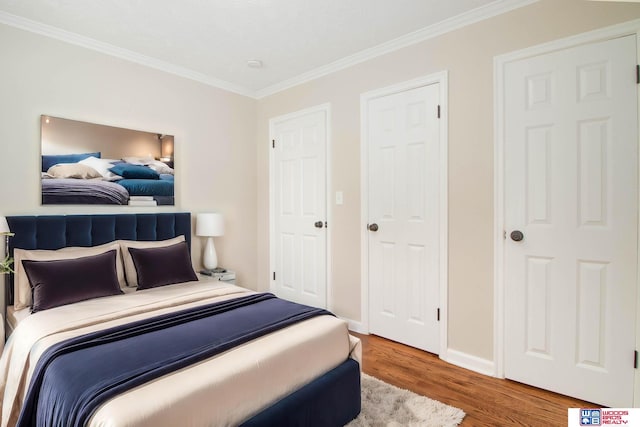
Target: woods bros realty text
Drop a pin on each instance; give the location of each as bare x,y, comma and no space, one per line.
604,417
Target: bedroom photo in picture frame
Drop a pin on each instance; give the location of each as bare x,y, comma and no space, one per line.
87,163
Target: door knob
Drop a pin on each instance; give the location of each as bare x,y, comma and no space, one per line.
318,224
516,235
373,227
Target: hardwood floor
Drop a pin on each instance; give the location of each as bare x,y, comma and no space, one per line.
487,401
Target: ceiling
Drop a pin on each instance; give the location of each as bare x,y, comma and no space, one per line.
212,40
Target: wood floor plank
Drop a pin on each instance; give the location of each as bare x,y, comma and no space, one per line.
487,401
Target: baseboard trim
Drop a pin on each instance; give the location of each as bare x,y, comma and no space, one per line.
468,361
356,326
455,357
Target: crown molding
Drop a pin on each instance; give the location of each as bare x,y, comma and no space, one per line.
476,15
471,17
128,55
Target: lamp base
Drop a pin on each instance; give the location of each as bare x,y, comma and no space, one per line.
210,259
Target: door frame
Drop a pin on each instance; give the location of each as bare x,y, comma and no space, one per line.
499,64
441,78
273,122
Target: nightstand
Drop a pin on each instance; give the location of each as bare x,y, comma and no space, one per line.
227,277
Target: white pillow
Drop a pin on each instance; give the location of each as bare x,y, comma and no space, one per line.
21,287
154,164
141,161
160,167
102,166
73,170
129,267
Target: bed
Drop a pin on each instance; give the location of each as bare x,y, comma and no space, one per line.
86,178
306,373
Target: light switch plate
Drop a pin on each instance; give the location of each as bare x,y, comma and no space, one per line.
339,198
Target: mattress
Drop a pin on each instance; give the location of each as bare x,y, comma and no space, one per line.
223,390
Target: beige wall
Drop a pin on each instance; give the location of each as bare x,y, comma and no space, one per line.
214,133
468,56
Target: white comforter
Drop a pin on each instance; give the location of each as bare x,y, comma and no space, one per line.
223,390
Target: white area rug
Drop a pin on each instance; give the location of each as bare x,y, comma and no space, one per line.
384,405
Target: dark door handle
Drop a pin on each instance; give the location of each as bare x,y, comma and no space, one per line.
318,224
373,227
516,235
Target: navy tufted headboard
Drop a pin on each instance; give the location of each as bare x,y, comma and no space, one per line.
59,231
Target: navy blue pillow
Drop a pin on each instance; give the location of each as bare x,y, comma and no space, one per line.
163,266
49,160
129,171
61,282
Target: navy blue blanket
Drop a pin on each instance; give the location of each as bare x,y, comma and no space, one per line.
74,377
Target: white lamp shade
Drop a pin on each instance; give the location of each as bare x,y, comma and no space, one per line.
4,226
209,225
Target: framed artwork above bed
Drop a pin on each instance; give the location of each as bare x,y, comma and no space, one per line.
87,163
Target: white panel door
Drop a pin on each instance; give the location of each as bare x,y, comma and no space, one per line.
300,210
403,171
571,189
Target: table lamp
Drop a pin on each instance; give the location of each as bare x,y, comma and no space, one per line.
209,225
